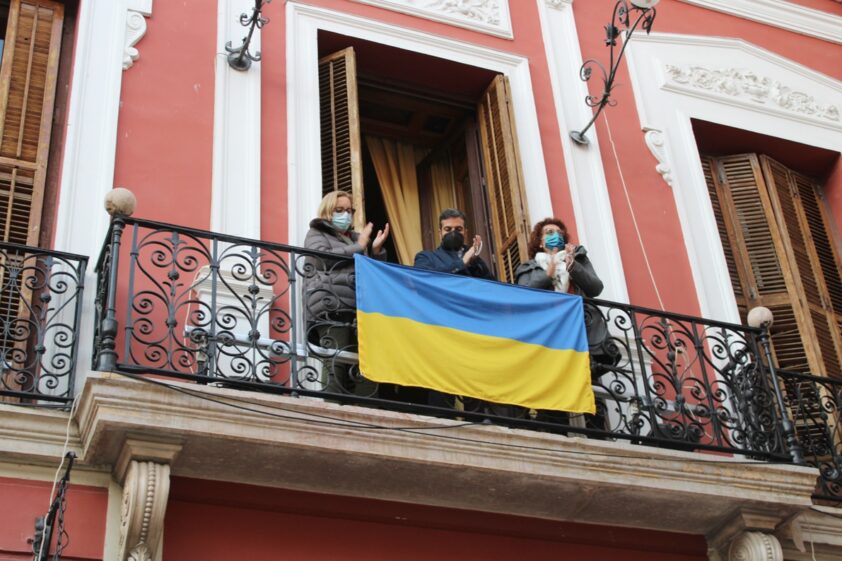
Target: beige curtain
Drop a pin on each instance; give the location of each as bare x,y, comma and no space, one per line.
444,190
394,163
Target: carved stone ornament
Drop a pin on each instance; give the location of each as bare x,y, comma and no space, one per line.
558,4
145,493
138,11
481,15
755,546
655,141
746,84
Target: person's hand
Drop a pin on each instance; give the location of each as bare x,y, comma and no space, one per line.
551,267
473,251
568,254
365,235
380,238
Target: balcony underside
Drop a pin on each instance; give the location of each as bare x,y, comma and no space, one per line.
312,445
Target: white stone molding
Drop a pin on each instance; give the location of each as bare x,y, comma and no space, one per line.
87,172
138,11
484,16
746,536
235,192
668,106
748,87
304,158
655,142
585,173
814,534
145,492
143,468
561,4
755,546
782,14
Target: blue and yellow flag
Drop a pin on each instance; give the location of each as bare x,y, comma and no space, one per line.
471,337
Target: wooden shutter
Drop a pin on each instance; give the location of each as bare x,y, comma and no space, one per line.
503,178
780,254
340,129
27,95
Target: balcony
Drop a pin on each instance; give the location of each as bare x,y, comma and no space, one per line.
40,308
224,312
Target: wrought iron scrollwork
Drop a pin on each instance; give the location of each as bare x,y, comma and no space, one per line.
621,23
239,58
40,306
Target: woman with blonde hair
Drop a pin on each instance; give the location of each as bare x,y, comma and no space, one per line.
330,290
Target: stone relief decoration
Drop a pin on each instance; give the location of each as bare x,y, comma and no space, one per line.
748,85
559,4
145,493
485,16
655,141
138,11
755,546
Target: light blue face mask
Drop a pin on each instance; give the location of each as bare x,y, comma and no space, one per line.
341,221
553,240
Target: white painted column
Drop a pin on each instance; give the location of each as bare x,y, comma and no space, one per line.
235,199
89,150
588,188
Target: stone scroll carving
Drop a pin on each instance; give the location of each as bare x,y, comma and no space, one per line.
138,11
755,546
145,493
656,143
752,87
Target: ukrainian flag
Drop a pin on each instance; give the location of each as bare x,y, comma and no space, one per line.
471,337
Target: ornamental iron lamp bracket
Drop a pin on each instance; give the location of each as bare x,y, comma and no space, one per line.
53,523
239,58
621,23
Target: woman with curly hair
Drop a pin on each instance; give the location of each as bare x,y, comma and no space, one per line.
556,264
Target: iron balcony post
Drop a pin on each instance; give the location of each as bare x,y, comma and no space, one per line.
787,425
106,353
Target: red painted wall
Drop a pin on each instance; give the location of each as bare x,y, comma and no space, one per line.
165,131
223,521
23,500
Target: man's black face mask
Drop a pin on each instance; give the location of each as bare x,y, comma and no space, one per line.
453,241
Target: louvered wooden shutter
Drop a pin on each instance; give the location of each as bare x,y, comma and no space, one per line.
340,129
788,192
503,178
780,255
27,95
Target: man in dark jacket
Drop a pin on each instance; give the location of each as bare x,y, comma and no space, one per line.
453,256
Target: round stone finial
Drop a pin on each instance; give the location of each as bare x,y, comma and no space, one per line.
760,317
120,202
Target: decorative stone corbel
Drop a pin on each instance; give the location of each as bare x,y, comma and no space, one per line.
655,141
143,468
746,537
138,11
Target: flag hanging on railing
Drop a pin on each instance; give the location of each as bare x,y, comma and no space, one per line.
471,337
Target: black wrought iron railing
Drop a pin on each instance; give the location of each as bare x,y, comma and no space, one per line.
815,405
222,310
40,306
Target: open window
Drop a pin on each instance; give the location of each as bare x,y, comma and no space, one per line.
29,68
409,135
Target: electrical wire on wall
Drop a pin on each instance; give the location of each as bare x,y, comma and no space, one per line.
633,215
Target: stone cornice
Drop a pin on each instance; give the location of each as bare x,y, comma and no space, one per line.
35,435
490,468
782,14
